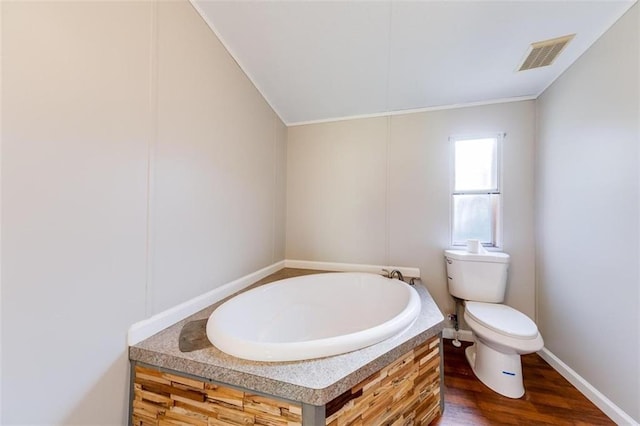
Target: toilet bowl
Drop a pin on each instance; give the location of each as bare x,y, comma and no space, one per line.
501,335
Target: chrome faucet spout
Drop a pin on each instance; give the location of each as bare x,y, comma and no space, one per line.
396,274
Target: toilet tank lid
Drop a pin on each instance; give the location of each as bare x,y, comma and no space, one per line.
494,257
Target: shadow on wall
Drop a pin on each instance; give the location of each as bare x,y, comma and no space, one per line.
98,403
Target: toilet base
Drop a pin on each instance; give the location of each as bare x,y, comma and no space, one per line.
501,372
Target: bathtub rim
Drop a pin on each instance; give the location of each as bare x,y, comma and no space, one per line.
317,348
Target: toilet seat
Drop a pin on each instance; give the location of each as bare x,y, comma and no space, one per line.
502,319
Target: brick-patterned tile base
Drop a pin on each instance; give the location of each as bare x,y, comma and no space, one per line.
162,399
406,392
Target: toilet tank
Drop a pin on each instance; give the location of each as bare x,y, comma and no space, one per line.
478,277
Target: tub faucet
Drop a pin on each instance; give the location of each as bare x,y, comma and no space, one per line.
396,273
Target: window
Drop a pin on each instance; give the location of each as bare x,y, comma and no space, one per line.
475,195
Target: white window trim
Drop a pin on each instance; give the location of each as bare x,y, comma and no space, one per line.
499,216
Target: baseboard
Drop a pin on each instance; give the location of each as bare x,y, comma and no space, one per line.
150,326
350,267
463,335
602,402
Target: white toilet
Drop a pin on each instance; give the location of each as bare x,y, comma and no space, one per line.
501,333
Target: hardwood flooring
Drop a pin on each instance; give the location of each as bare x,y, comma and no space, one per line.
549,398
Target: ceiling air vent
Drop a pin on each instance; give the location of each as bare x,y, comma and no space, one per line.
543,53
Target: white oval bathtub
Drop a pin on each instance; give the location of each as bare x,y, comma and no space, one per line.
312,316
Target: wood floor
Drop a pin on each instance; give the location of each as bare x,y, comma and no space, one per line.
549,398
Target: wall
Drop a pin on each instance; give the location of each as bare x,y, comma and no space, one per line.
140,168
376,191
587,215
215,198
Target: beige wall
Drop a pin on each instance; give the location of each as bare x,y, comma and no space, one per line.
376,191
100,119
336,179
219,145
588,215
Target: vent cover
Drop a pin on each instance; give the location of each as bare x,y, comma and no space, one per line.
543,53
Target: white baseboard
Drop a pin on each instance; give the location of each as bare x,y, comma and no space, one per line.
602,402
463,335
350,267
150,326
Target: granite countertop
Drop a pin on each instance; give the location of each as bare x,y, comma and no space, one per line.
314,382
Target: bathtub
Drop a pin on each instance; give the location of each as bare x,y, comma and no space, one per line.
313,316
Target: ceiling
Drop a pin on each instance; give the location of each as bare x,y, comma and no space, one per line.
324,60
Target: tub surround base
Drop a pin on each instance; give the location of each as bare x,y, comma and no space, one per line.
160,398
309,383
407,391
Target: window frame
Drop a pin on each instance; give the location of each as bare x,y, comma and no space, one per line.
497,214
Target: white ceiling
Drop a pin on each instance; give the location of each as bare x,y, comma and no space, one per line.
322,60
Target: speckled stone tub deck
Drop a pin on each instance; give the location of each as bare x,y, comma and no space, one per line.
313,382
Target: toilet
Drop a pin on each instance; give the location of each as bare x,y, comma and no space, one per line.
501,333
